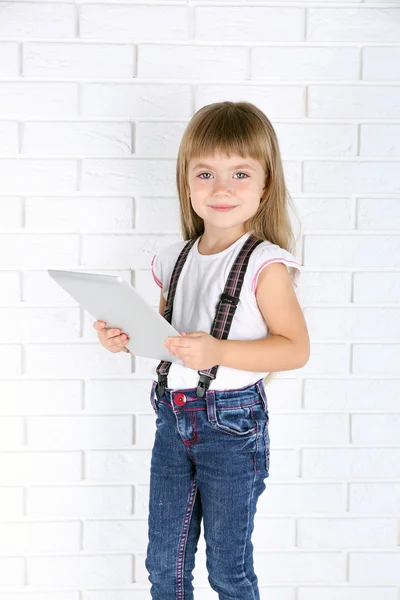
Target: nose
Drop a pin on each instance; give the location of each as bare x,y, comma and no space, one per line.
220,189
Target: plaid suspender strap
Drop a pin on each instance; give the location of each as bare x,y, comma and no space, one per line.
225,309
164,366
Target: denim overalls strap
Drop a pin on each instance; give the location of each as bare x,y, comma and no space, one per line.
225,309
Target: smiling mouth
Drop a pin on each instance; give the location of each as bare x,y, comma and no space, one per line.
222,207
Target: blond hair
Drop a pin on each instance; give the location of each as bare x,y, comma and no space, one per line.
237,128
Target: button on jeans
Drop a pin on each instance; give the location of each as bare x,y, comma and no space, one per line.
209,461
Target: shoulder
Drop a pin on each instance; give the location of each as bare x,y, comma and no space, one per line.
268,253
171,251
163,262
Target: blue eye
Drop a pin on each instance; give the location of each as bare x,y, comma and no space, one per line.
240,173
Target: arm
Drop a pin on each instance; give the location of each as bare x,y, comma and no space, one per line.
288,346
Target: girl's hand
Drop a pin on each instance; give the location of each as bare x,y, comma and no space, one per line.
111,339
197,350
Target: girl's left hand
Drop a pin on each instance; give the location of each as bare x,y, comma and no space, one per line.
197,350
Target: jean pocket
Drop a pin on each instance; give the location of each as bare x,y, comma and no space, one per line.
267,446
263,396
240,421
153,397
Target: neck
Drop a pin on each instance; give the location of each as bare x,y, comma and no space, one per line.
213,243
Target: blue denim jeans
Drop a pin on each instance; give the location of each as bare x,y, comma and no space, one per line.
209,461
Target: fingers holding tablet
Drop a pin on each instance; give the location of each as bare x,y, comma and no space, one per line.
111,339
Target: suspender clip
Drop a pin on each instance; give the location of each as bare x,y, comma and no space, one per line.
162,384
203,385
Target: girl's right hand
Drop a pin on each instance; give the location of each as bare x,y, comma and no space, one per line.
111,339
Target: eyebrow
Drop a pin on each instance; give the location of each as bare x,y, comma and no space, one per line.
204,166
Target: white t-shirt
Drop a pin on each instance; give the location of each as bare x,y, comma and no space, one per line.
201,282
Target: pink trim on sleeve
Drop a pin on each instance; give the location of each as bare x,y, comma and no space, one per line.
158,282
288,263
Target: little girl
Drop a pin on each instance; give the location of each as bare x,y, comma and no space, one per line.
230,289
211,447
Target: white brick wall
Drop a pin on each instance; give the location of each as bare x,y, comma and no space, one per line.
94,97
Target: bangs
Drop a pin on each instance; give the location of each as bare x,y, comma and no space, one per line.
230,132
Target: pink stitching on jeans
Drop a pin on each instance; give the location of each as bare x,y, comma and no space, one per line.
267,448
255,454
257,402
183,540
194,426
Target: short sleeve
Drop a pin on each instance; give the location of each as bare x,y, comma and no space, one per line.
273,253
156,270
163,263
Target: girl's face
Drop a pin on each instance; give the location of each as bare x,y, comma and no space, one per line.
221,181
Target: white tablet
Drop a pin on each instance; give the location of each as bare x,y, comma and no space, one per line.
111,299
